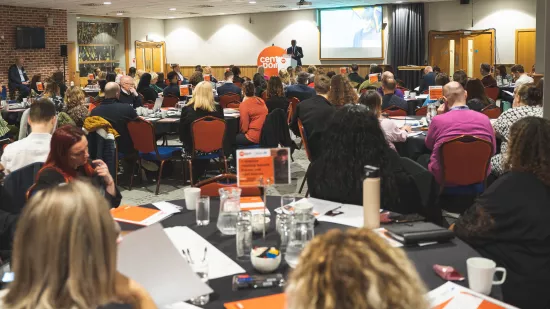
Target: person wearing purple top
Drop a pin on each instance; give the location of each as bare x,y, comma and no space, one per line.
456,119
387,75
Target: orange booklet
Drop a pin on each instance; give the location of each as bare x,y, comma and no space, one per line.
436,92
138,215
184,90
254,204
206,77
343,70
373,78
277,301
39,86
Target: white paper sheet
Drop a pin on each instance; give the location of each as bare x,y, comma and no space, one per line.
461,297
168,207
149,257
352,215
219,264
400,123
180,305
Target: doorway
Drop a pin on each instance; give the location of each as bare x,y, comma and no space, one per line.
150,56
526,42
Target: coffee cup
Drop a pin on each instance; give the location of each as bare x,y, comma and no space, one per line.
24,100
407,93
139,111
164,114
481,272
412,95
192,196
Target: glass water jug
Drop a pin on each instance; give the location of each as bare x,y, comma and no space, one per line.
301,232
230,205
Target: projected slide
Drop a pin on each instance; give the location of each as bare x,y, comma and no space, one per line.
351,33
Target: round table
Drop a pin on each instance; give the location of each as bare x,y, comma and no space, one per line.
454,253
414,146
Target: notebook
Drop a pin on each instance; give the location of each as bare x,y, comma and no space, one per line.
418,233
254,204
277,301
139,215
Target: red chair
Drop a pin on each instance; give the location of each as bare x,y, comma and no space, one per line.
293,103
238,84
93,104
304,141
492,93
492,111
143,136
394,111
208,134
422,111
233,105
426,92
228,98
464,160
211,186
170,101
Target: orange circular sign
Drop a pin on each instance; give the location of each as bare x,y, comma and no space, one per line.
269,58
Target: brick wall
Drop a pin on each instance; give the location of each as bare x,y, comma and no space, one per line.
37,61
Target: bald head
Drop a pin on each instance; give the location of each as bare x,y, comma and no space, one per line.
389,85
428,69
455,94
387,75
112,90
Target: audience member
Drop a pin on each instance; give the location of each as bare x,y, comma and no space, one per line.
228,86
331,74
261,71
17,78
437,69
51,92
154,83
253,112
390,99
35,80
292,73
354,76
132,72
311,70
208,71
441,79
314,113
128,93
540,86
35,147
181,78
509,222
97,73
201,105
275,95
161,83
427,80
354,269
144,88
461,78
196,78
173,90
110,77
501,71
300,91
237,75
374,69
299,69
75,108
476,90
118,114
398,92
337,175
101,94
488,80
198,68
373,101
527,103
341,91
57,77
456,120
285,77
68,160
259,84
520,76
62,117
70,259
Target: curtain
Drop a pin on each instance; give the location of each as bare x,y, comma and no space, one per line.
407,41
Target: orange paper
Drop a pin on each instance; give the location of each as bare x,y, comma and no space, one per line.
184,90
277,301
485,304
436,92
252,170
39,86
373,78
206,77
343,70
251,203
133,213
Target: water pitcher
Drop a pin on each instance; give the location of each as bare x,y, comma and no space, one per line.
230,205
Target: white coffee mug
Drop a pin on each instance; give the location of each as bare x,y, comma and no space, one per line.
164,114
481,272
407,93
24,100
412,95
191,197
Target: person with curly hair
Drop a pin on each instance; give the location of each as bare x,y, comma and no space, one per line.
285,77
196,78
74,101
276,95
337,175
341,91
355,269
509,222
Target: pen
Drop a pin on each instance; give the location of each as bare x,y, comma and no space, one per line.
189,255
204,257
330,211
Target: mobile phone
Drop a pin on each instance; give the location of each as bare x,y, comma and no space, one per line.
398,218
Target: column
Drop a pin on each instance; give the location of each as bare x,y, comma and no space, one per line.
546,52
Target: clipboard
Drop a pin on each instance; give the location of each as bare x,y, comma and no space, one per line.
436,92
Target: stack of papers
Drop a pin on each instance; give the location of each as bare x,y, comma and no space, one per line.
351,215
453,296
254,204
140,215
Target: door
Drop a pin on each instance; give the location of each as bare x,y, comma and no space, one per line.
441,51
526,42
150,56
71,65
477,48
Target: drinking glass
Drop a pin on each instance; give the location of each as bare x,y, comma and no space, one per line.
244,236
287,199
200,267
284,226
203,210
244,216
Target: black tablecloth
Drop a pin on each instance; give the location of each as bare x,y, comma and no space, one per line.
413,105
453,254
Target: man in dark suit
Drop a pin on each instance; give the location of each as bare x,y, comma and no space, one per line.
181,78
296,52
300,91
315,114
228,86
173,90
488,80
128,93
17,78
390,98
428,79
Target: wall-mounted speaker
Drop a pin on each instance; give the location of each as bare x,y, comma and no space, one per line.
63,50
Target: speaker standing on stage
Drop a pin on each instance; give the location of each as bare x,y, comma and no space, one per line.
18,78
296,52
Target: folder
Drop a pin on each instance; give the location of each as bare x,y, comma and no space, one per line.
206,77
374,78
343,70
184,90
419,232
138,215
39,86
277,301
436,92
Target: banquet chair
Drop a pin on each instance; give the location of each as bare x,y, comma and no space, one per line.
394,111
240,85
306,146
422,111
233,105
293,103
170,101
228,98
143,136
492,111
492,92
211,186
208,134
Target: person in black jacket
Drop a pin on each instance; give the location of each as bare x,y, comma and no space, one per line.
300,90
296,52
509,222
17,78
228,86
237,75
390,98
173,89
201,105
354,76
128,93
275,95
352,140
144,88
428,79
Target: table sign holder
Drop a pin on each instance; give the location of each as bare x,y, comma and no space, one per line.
265,187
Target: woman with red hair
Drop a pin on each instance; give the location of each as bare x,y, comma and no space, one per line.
68,160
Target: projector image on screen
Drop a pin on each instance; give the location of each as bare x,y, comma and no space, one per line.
351,33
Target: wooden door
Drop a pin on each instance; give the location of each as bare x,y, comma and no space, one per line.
481,50
440,51
526,42
150,56
71,64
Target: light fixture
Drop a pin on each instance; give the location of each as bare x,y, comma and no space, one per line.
106,3
78,17
119,14
252,2
222,13
294,9
399,2
172,9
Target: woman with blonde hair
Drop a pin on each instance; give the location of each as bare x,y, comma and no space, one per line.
292,74
208,71
355,269
70,259
154,81
341,91
75,108
285,77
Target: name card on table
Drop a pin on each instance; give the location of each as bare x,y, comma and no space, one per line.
343,70
374,78
39,86
262,167
184,90
206,78
436,92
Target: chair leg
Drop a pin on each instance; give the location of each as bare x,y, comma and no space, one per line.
305,178
132,176
307,193
159,177
191,171
183,171
139,171
225,163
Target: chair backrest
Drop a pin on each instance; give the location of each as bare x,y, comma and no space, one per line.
293,104
465,159
238,84
228,98
492,92
142,133
422,111
394,111
208,134
492,111
211,186
233,105
426,92
169,101
303,135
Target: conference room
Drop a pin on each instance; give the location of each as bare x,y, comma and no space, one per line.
274,154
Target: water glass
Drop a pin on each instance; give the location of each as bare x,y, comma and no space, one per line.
244,216
200,267
287,199
284,226
244,240
203,210
180,106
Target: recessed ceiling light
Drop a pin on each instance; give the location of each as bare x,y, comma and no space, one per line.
119,14
172,9
78,17
222,13
106,3
252,2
